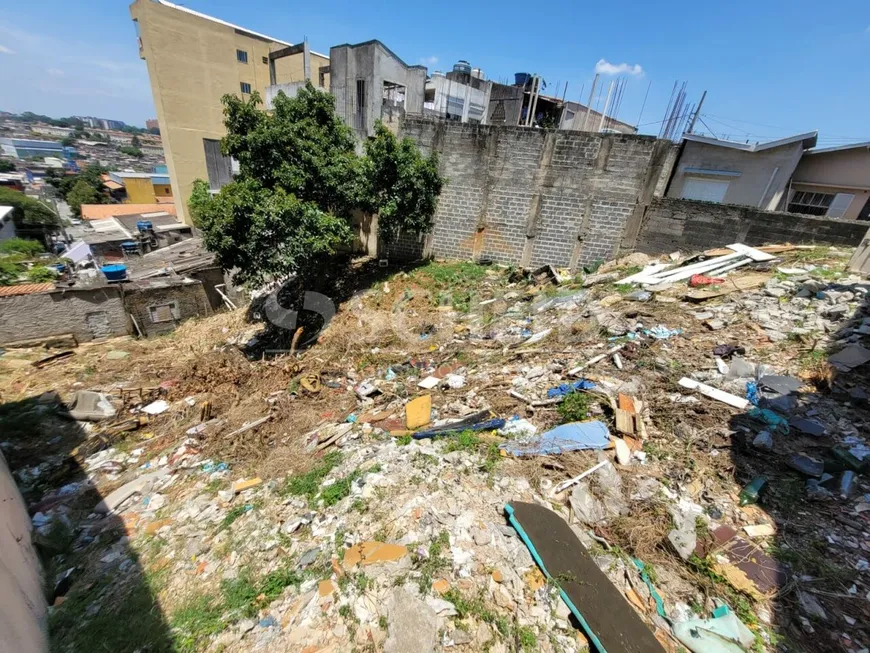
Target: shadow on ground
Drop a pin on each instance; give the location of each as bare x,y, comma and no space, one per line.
102,597
812,564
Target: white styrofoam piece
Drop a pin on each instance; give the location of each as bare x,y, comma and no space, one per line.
751,252
715,393
650,270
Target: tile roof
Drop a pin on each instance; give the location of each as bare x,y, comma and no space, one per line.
25,289
100,211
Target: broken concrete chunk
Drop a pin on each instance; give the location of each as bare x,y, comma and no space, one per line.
116,498
806,465
808,427
763,441
413,625
850,357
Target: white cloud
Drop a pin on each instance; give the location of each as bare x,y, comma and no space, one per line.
429,61
5,50
55,72
604,67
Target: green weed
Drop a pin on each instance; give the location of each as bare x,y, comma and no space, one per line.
308,484
575,407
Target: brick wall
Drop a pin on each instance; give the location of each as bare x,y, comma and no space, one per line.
190,297
530,196
86,313
672,224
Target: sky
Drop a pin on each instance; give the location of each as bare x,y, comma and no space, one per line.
771,68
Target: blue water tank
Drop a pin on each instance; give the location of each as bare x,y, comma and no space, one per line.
521,79
144,225
115,272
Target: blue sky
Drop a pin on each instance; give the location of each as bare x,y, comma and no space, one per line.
771,67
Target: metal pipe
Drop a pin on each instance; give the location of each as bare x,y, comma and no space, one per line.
589,104
606,105
697,111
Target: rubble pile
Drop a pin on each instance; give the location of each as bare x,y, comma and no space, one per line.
702,431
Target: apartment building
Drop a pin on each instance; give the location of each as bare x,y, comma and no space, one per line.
193,60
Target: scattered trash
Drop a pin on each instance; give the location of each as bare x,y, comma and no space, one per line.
156,407
770,418
751,492
429,382
724,634
91,406
418,412
567,388
759,530
517,427
567,437
697,280
806,465
714,393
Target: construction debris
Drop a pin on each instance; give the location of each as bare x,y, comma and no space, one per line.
699,455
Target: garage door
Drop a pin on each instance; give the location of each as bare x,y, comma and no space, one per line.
706,190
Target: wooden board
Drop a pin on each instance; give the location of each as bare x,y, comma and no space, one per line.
727,287
769,249
609,620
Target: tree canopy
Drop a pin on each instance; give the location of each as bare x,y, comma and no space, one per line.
81,193
32,218
6,165
299,181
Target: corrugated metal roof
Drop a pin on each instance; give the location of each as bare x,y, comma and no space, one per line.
25,289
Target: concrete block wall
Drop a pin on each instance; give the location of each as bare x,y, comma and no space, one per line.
672,224
86,313
528,196
190,295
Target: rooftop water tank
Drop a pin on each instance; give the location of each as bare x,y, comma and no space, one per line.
115,272
521,79
477,73
438,73
144,225
462,66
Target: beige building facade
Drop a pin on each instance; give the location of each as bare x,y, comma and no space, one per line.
193,60
728,172
834,182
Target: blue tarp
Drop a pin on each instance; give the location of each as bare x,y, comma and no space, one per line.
567,437
568,388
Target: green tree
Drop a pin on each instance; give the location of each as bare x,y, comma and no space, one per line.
264,233
81,193
129,150
41,274
68,141
27,247
135,142
32,218
302,147
400,184
6,165
299,181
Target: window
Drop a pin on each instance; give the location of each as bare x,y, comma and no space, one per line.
266,60
218,166
164,312
704,190
840,204
810,203
360,115
241,56
246,88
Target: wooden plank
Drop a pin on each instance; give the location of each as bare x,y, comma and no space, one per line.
769,249
607,618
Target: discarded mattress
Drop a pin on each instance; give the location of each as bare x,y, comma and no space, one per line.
608,620
567,437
